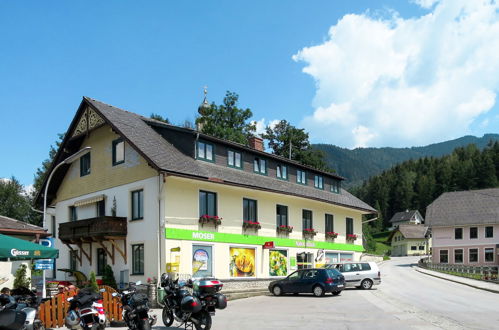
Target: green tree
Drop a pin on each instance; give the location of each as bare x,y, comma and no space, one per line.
15,203
159,118
92,282
108,277
284,136
227,121
21,279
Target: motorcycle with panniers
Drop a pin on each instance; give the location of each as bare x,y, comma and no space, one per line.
194,308
86,311
135,308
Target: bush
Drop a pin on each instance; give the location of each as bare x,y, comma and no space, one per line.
92,283
21,280
108,277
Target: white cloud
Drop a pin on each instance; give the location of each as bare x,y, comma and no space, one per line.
261,125
402,82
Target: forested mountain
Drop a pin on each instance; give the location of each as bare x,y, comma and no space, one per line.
360,164
414,184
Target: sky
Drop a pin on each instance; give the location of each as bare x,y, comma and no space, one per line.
352,73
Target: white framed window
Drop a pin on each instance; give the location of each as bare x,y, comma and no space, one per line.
488,254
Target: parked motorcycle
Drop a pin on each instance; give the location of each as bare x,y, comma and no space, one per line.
86,311
191,309
20,310
136,308
28,302
10,317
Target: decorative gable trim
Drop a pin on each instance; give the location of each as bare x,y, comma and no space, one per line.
89,120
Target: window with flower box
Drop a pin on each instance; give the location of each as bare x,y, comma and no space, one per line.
208,208
250,214
282,219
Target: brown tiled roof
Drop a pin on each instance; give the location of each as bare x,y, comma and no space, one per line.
413,231
13,226
464,208
163,156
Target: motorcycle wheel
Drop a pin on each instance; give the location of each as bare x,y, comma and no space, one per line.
167,316
144,325
204,321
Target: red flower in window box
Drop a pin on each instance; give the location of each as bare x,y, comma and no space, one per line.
247,224
351,237
284,229
331,234
309,231
213,219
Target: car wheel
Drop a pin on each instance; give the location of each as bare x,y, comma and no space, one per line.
336,293
366,284
276,290
318,291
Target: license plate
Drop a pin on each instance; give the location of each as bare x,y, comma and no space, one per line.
340,285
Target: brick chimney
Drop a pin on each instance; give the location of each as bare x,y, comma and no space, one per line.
255,143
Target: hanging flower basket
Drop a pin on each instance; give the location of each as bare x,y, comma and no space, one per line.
331,234
351,237
210,219
309,232
251,225
284,229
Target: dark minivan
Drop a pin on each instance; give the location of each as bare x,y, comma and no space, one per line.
313,280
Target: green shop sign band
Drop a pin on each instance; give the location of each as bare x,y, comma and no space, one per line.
205,236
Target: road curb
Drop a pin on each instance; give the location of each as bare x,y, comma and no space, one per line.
458,280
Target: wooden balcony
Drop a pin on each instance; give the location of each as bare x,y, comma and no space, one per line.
93,230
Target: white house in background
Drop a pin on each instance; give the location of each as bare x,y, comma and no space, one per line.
412,217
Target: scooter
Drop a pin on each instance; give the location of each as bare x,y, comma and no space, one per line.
28,302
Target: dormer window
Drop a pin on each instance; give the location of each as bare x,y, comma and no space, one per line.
205,151
335,186
234,159
282,172
319,182
301,177
260,165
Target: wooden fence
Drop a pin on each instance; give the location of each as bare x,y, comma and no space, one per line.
52,312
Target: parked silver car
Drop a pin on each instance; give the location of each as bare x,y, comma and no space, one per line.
359,274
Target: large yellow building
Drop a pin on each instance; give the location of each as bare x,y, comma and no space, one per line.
151,197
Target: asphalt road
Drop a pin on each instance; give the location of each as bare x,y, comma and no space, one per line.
406,299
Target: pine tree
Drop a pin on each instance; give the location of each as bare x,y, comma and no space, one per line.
92,283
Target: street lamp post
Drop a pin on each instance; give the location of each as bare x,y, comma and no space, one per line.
68,160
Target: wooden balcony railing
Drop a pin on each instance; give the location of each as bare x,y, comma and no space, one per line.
93,229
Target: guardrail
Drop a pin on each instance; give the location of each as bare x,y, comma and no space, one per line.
485,273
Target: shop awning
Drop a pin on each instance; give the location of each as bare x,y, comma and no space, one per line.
90,200
19,249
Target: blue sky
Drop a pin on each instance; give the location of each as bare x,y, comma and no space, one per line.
353,73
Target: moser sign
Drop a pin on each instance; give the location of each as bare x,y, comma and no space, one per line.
16,252
194,235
